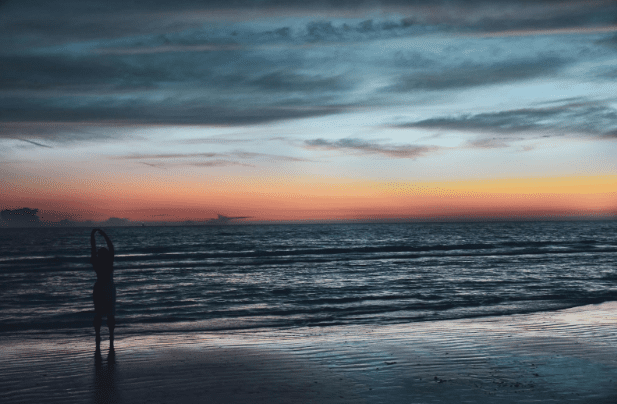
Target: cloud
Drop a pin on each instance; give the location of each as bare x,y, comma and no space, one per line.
78,82
239,154
37,22
611,134
155,165
181,64
59,132
50,71
20,112
490,143
607,73
610,41
220,163
23,217
470,74
353,30
92,74
364,147
163,161
218,140
35,143
252,155
543,15
292,82
413,59
204,47
167,156
572,118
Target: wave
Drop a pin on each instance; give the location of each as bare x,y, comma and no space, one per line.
286,276
225,321
189,259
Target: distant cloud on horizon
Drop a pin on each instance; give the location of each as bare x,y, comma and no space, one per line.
24,217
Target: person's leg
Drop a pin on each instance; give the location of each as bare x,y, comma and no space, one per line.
111,323
98,320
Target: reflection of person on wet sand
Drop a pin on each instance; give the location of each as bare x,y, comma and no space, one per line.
104,293
105,391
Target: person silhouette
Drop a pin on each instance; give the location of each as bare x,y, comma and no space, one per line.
104,292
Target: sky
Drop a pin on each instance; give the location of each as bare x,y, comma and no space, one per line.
300,111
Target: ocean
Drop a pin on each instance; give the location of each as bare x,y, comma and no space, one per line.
244,277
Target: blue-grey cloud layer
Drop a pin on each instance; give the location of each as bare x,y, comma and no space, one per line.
81,63
590,118
468,74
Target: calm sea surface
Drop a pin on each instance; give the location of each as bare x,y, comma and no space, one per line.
282,276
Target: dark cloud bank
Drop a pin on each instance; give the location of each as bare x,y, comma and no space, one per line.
469,74
231,73
90,18
586,118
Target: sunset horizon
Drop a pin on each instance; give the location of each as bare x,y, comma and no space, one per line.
552,198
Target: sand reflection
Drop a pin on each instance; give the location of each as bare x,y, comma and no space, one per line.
105,390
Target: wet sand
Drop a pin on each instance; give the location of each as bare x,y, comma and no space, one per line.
564,356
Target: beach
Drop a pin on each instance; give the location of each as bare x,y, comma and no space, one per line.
555,356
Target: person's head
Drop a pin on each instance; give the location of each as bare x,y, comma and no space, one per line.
104,257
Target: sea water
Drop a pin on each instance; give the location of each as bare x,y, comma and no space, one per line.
242,277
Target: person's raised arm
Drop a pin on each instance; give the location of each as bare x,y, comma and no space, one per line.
110,246
93,245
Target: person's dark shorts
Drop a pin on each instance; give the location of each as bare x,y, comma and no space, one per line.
104,296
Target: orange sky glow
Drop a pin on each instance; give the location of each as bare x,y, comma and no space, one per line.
305,199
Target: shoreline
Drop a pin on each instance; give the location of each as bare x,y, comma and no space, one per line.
560,356
244,324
